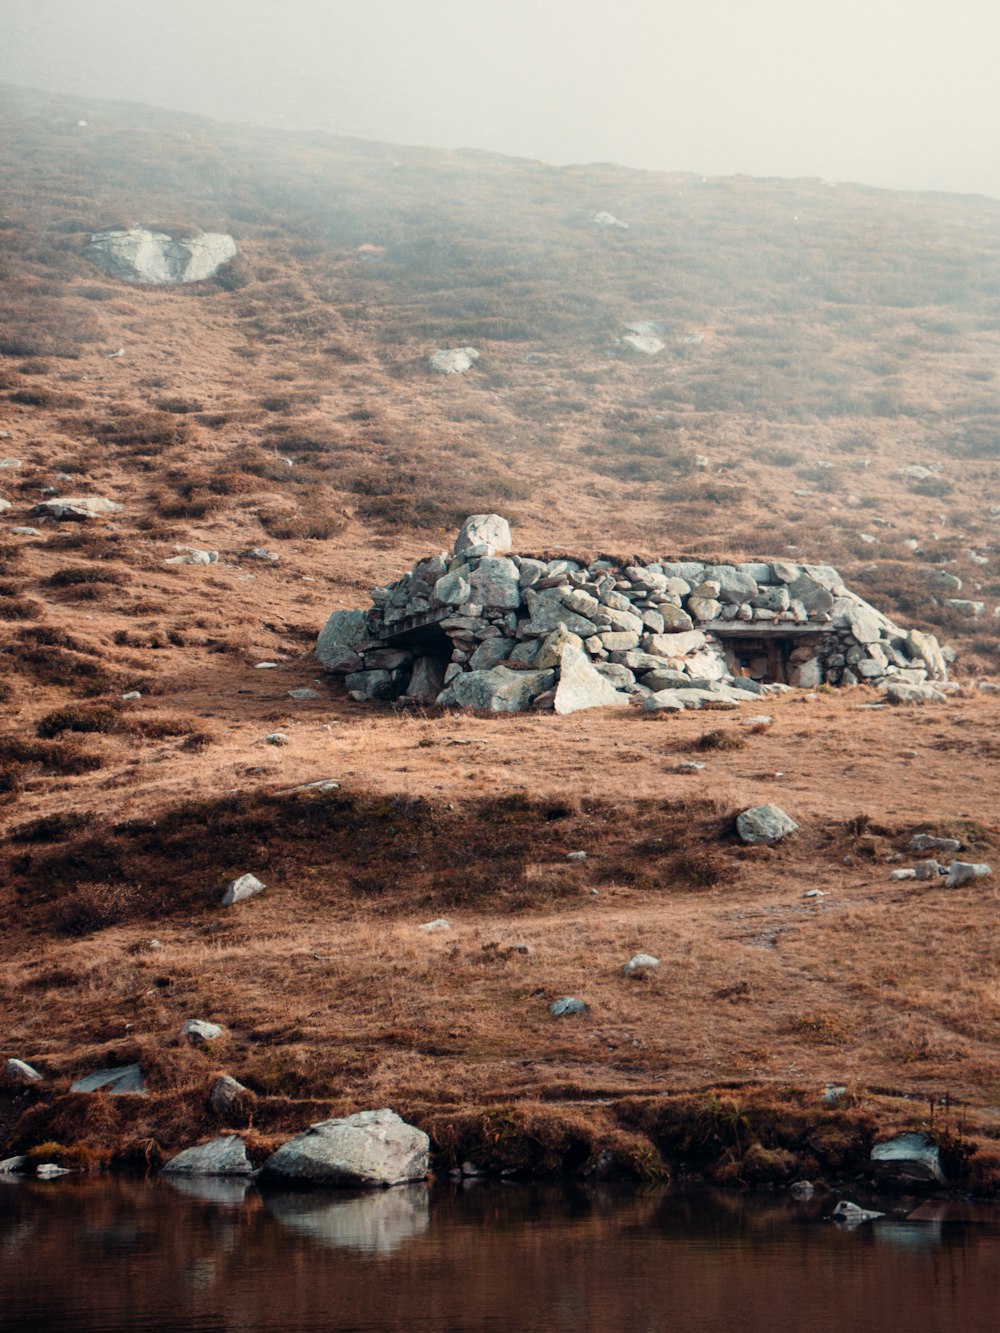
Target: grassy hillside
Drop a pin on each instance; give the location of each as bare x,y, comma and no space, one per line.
819,339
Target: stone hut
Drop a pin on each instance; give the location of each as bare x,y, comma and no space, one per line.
480,627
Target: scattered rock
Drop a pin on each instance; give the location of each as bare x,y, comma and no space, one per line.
260,553
802,1190
304,693
439,923
902,874
130,696
13,1166
193,555
366,1150
25,532
927,842
143,256
576,856
851,1215
566,1006
764,824
22,1072
452,360
228,1095
124,1079
909,1159
277,738
77,507
49,1171
603,219
246,886
833,1094
222,1156
198,1031
962,872
641,963
643,342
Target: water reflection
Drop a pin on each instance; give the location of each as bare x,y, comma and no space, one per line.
373,1223
116,1255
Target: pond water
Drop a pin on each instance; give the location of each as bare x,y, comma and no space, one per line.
212,1256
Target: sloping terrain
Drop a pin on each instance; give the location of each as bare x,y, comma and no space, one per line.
818,340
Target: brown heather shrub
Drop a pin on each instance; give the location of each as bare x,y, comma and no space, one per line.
75,717
75,575
18,608
68,758
141,431
90,907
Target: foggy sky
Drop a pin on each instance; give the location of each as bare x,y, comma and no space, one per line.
899,93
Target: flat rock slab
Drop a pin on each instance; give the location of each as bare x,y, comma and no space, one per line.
452,360
77,507
222,1156
124,1079
368,1150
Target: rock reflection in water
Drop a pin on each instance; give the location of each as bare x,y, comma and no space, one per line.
377,1222
112,1256
211,1189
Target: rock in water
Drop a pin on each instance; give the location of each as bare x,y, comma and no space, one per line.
126,1078
911,1159
764,824
362,1151
143,256
851,1215
581,686
223,1156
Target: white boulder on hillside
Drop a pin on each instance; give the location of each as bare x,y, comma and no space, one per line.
452,360
143,256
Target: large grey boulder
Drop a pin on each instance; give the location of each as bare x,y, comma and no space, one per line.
910,1159
76,507
581,686
427,678
223,1156
362,1151
483,530
335,646
143,256
764,825
547,611
499,690
123,1079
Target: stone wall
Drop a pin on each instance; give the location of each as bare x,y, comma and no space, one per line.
478,628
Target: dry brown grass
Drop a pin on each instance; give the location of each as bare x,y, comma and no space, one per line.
331,996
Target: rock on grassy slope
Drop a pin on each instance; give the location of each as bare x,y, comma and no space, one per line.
287,405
